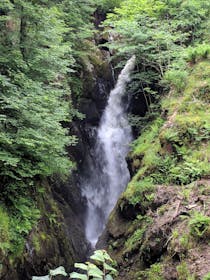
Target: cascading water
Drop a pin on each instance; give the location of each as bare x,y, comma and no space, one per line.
108,167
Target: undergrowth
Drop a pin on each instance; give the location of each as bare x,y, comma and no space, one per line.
174,149
16,225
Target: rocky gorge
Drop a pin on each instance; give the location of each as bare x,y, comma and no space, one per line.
139,187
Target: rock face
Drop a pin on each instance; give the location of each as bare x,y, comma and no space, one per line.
97,81
56,238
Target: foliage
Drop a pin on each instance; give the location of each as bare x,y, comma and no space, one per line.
58,271
32,102
4,231
158,33
101,270
134,241
16,223
140,192
108,5
155,272
147,138
207,276
176,78
200,225
41,43
174,152
98,269
198,52
183,272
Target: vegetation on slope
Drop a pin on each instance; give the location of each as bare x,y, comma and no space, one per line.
158,33
150,230
163,217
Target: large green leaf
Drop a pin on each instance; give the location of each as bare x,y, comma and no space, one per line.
94,271
109,268
58,271
106,256
75,275
47,277
81,266
108,277
98,256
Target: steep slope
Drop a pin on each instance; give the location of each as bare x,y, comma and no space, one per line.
160,228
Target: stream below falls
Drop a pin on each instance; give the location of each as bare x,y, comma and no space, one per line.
109,173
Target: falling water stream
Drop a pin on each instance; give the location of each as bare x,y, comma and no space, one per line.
109,171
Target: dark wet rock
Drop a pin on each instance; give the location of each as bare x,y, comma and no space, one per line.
88,107
56,238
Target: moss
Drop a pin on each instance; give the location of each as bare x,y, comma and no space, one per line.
134,241
147,140
4,231
15,225
36,243
155,272
140,192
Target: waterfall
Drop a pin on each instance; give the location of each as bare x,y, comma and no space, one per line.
109,174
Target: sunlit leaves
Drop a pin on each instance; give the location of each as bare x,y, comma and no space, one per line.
34,65
99,269
46,277
58,271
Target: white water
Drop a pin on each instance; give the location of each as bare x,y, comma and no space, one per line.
109,172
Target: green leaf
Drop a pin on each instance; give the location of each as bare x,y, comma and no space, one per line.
78,276
58,271
47,277
81,266
94,271
109,268
106,256
108,277
98,256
